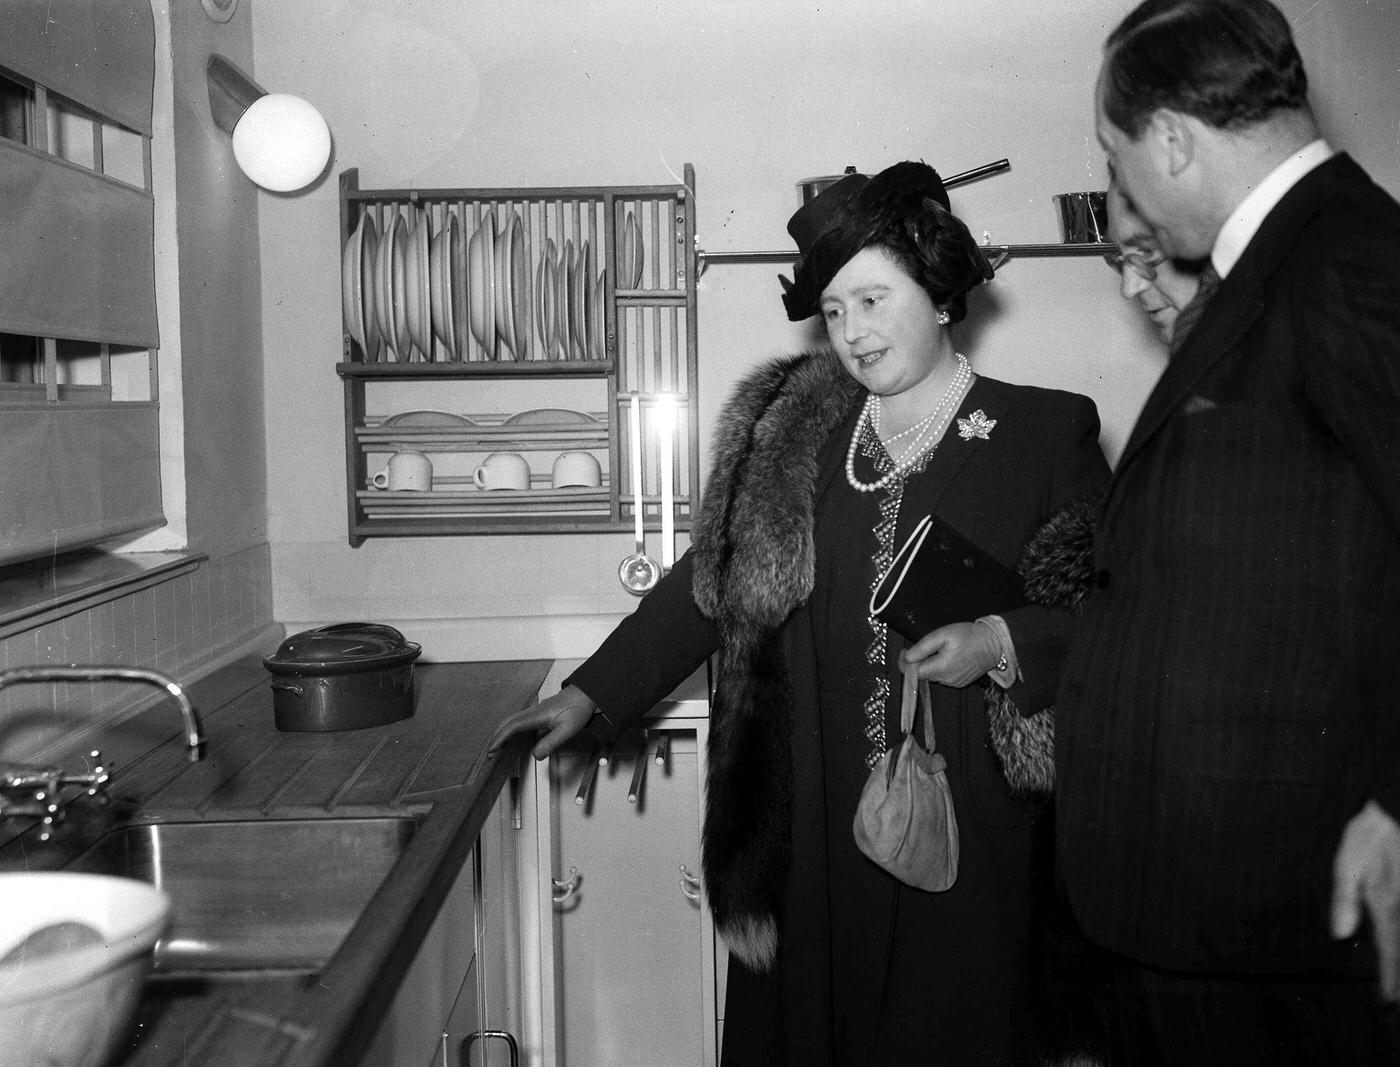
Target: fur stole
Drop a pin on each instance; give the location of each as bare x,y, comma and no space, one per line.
754,564
1057,565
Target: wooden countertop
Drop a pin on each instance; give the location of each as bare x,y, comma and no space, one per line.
431,765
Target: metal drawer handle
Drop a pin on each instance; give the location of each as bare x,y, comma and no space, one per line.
564,890
485,1035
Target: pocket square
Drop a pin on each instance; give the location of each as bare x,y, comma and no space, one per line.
1197,404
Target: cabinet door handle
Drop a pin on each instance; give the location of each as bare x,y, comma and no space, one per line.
590,772
663,749
634,791
484,1035
690,884
564,890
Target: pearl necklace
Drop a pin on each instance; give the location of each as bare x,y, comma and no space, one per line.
930,430
892,438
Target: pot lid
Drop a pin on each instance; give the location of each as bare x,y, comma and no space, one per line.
343,647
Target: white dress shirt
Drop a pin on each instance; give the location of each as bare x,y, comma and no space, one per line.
1245,220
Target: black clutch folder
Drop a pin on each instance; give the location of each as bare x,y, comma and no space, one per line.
938,576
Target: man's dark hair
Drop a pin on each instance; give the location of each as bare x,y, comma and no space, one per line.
1229,63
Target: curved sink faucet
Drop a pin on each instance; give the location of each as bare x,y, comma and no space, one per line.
37,791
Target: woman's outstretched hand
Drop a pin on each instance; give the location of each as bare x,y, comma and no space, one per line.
955,655
562,716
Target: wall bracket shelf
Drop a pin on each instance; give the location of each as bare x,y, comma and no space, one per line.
998,254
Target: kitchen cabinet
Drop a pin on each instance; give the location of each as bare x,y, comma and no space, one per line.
460,997
479,321
440,994
628,958
578,928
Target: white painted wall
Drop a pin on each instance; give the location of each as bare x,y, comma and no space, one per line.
423,93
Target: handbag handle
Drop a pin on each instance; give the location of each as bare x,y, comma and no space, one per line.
916,691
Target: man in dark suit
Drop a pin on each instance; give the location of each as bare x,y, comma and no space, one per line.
1228,750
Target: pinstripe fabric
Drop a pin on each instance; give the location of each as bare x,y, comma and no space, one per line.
1230,699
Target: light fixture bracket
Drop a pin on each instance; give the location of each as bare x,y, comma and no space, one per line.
231,92
219,10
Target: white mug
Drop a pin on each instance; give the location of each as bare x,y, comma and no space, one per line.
405,470
576,469
503,470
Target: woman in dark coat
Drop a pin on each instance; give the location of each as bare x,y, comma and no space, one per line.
823,464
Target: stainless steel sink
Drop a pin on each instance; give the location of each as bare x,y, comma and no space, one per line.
254,895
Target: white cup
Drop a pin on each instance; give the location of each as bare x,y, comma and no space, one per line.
503,470
576,469
405,470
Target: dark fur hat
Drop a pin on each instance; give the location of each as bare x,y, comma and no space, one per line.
904,207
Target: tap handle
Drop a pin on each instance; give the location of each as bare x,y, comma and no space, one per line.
93,781
20,777
37,792
32,793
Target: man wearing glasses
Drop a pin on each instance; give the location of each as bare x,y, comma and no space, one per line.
1160,287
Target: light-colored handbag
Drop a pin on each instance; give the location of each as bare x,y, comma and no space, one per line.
905,820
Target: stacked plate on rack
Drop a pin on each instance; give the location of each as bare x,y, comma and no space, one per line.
357,288
569,296
412,294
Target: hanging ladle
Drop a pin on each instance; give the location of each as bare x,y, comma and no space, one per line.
638,573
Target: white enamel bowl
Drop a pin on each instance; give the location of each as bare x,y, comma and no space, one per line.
72,1007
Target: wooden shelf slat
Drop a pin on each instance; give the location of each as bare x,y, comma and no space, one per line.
462,369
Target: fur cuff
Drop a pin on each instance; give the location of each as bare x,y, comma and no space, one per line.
1024,744
754,939
1058,566
1058,563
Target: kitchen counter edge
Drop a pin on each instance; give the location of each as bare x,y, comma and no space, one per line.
330,1017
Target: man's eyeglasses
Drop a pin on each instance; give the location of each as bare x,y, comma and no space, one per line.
1139,260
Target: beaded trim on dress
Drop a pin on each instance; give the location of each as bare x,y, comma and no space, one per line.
884,531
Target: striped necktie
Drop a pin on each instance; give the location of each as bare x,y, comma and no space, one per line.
1210,281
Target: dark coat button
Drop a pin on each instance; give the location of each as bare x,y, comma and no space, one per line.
1103,578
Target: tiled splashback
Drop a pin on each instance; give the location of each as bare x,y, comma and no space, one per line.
184,627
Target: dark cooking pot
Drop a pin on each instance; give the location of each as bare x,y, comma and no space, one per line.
345,676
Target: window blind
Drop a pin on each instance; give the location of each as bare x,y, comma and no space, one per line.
80,475
83,462
99,53
80,262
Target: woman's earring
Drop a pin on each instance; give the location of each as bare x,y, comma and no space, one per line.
943,317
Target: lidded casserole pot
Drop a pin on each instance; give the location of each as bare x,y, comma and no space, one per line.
345,676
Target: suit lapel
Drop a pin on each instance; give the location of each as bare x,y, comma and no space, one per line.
1237,305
